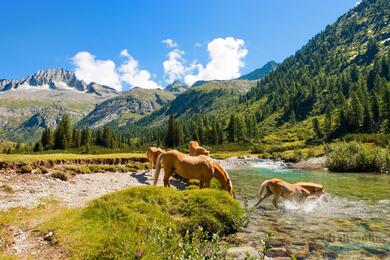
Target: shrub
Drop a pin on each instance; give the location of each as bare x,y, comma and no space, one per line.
258,148
26,169
275,148
63,176
298,155
83,169
310,153
95,168
355,156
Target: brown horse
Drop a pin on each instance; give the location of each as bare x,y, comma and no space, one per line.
192,167
195,149
152,154
279,188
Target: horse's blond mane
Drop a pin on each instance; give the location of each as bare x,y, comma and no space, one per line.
222,176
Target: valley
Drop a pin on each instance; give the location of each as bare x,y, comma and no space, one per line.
78,159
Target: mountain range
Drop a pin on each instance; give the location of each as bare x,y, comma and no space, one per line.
341,70
38,101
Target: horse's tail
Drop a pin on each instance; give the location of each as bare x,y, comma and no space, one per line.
158,168
263,186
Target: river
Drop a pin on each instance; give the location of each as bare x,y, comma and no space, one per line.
353,223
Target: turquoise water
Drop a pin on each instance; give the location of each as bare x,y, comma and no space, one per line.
355,221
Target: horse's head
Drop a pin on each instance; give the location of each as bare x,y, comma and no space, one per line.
224,179
203,151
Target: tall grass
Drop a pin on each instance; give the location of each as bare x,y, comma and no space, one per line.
150,223
355,156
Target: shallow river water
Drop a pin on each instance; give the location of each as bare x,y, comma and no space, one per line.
353,223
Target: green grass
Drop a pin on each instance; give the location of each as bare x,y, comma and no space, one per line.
26,158
358,157
151,222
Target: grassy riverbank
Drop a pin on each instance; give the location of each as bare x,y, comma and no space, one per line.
65,156
147,222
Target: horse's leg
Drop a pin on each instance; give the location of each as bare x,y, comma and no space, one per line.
207,183
151,166
263,197
201,184
275,199
167,175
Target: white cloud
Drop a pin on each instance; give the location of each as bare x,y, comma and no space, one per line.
197,44
90,70
133,75
174,68
226,60
170,43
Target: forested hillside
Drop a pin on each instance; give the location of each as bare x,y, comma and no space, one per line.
343,72
337,83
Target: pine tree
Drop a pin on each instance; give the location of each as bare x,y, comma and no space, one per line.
376,116
67,128
38,147
76,138
231,129
316,128
47,138
63,133
85,136
367,121
328,122
356,112
171,132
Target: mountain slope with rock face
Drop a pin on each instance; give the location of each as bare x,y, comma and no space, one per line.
260,73
211,97
28,105
128,106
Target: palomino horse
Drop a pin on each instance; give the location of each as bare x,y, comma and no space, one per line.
192,167
195,149
279,188
152,154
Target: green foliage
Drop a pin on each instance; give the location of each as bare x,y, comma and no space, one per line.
26,169
174,136
59,175
149,222
355,156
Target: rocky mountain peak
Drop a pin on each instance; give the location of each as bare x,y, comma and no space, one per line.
56,79
177,87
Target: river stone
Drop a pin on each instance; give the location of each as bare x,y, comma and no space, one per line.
277,252
275,242
315,247
242,252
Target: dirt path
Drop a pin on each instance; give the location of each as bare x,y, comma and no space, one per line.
30,190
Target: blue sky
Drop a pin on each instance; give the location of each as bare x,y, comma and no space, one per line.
48,34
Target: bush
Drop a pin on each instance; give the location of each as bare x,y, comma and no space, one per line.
95,168
150,223
355,156
26,169
275,149
83,169
258,148
63,176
